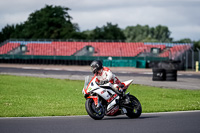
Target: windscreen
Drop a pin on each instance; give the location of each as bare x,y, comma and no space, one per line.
87,81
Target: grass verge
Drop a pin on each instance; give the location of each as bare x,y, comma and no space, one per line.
30,96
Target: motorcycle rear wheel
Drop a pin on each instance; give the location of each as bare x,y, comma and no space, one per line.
93,112
137,108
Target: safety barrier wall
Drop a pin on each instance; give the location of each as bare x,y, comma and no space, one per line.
7,56
125,63
139,62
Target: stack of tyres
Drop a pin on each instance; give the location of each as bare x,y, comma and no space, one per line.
171,75
159,74
164,74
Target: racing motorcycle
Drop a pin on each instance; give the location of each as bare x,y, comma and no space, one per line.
102,100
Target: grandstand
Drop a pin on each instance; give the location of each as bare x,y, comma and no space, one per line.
80,50
113,49
6,48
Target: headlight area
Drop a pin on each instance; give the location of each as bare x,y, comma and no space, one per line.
86,95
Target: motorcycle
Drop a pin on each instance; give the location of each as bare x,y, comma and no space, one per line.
102,100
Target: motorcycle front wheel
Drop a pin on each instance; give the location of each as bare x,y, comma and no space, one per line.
93,112
137,108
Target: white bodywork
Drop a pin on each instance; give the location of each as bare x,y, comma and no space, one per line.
108,94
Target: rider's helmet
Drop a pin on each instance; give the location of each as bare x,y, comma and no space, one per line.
96,65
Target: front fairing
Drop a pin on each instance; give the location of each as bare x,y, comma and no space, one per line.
89,85
92,89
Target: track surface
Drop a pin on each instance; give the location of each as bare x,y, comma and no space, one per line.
66,72
181,122
185,80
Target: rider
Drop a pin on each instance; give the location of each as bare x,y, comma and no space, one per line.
104,75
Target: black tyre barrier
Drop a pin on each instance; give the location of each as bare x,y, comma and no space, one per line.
164,74
159,74
178,65
171,75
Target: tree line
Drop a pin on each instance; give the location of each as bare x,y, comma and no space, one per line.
54,22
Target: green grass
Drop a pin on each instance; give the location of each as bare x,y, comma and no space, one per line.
31,96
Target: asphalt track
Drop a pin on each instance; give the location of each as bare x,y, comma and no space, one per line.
66,72
144,77
174,122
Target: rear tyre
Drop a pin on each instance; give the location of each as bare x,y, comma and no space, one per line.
93,112
137,108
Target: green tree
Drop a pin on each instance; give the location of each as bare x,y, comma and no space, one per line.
145,33
87,34
137,33
150,39
50,22
18,32
7,32
196,45
162,33
185,40
107,32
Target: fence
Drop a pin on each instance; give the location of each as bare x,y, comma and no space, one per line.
189,59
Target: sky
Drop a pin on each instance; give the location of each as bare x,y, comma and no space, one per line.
182,17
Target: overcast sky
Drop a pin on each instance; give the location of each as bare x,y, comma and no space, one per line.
182,17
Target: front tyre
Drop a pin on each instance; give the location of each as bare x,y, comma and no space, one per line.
137,108
93,112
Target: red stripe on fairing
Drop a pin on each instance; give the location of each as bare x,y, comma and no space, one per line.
95,98
110,99
113,110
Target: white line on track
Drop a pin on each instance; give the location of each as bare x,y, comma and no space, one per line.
58,69
38,68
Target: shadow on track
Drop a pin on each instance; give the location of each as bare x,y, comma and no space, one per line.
125,117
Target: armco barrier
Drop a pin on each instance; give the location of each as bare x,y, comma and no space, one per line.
8,56
139,62
119,63
125,63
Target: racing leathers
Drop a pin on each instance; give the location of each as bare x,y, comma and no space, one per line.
105,75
